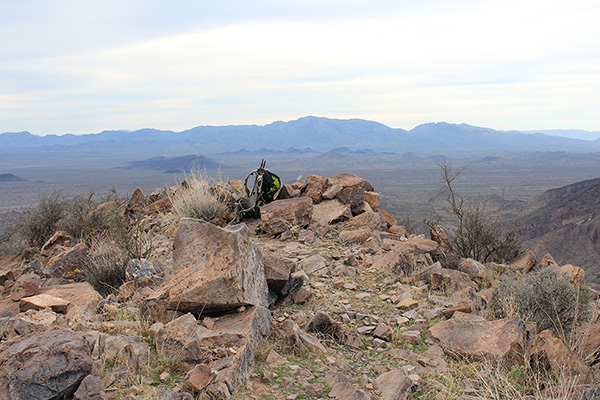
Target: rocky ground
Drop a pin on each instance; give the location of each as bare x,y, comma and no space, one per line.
324,296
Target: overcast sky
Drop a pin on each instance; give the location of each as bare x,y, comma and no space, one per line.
85,66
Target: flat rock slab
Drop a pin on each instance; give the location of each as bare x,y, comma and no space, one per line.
48,365
41,301
216,270
501,340
81,294
329,211
281,215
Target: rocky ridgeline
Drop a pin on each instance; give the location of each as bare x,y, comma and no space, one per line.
325,296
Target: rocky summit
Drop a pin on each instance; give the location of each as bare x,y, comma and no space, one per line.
325,296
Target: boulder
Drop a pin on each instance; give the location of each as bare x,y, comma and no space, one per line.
277,270
60,238
41,301
26,285
81,294
358,236
142,268
281,215
551,353
524,262
216,270
369,220
313,264
198,378
394,385
315,186
30,322
47,365
502,340
228,347
70,263
372,199
388,262
332,191
349,180
450,279
352,196
132,351
90,389
136,202
590,342
575,274
473,268
329,211
389,220
301,340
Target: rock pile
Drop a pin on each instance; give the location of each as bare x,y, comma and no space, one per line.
324,296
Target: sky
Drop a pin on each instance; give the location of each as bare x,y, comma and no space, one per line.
86,66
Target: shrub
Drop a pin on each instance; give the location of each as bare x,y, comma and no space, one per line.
545,297
476,235
39,224
196,201
107,271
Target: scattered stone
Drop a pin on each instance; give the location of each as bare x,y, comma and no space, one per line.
329,211
388,219
133,351
407,304
81,294
26,285
575,274
198,378
332,191
359,236
300,339
394,385
302,295
275,360
313,264
411,336
69,264
349,180
473,268
363,330
350,286
277,270
142,268
384,332
164,377
59,238
351,196
315,186
369,220
524,262
90,389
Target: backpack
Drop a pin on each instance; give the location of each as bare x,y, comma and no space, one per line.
266,184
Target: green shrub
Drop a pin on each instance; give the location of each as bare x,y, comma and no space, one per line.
198,202
545,297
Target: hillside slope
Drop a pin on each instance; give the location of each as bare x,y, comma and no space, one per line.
566,223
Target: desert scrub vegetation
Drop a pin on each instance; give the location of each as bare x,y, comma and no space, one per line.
545,297
476,234
197,201
107,270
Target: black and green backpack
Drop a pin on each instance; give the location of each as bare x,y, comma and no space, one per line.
266,184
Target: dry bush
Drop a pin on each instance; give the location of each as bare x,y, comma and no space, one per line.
196,201
37,225
545,297
476,234
107,271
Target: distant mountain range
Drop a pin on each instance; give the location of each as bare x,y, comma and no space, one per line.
307,133
174,165
10,178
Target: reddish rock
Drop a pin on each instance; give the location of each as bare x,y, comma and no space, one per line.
8,308
281,215
359,236
552,354
546,261
372,199
29,322
473,268
81,294
60,238
136,202
198,378
524,262
502,340
349,180
394,385
332,191
450,279
368,220
398,230
70,263
438,235
389,220
315,186
575,274
41,301
329,211
215,269
90,389
277,270
352,196
302,295
26,285
133,351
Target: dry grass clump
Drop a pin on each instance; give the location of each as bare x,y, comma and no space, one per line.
197,201
545,297
107,271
